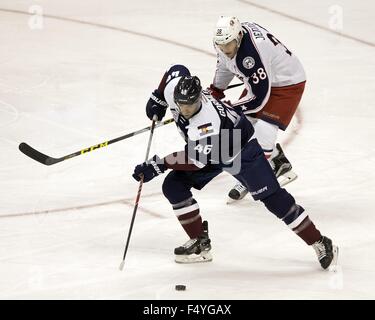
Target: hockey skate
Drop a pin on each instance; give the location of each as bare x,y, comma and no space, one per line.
326,252
282,167
283,171
238,192
195,250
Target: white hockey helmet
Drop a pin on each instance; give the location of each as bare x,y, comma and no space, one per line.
227,29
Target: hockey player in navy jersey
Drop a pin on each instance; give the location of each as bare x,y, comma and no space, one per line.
217,139
274,81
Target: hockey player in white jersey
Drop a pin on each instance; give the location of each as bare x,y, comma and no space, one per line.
274,79
217,139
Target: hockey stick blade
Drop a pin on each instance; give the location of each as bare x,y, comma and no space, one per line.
36,155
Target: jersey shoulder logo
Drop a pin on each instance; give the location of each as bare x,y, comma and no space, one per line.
248,62
205,129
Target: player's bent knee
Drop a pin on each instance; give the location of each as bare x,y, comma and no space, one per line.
168,186
174,188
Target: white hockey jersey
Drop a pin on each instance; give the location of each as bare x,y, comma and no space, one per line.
212,127
261,62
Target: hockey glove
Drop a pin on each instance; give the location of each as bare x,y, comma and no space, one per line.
149,169
228,103
156,105
217,93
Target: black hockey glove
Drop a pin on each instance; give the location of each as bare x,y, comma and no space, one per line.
156,105
149,169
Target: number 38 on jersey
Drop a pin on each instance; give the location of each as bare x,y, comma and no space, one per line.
259,75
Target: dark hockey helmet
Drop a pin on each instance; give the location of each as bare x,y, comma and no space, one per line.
188,90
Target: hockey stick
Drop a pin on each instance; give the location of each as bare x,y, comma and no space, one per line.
47,160
234,85
138,194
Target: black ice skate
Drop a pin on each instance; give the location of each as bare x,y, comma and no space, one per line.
280,164
195,250
238,192
282,167
283,171
327,252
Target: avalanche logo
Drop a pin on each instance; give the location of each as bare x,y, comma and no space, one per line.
248,62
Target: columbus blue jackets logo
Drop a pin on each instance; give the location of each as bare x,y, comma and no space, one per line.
205,129
248,62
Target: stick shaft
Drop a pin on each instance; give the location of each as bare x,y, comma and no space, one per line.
138,195
47,160
234,85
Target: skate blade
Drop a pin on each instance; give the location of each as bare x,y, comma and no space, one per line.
194,258
333,266
287,178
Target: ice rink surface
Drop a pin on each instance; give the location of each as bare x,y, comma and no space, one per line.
83,74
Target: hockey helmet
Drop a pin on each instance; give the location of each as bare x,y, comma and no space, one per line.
187,91
227,29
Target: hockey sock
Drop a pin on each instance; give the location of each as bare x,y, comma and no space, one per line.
282,204
307,231
187,213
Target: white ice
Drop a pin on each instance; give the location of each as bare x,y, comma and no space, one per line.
65,85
